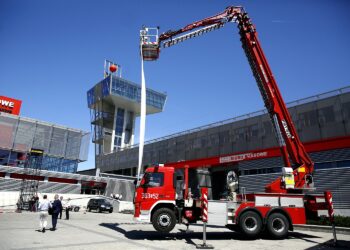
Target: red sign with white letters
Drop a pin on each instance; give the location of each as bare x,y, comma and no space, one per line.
10,105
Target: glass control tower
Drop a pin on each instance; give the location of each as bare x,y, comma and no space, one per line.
114,104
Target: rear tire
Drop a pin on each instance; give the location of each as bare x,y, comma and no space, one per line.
164,220
250,224
76,209
89,209
277,225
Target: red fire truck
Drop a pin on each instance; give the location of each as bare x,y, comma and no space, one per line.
163,196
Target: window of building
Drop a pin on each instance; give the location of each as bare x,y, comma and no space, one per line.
4,156
189,144
119,121
260,171
224,137
326,115
92,187
214,139
240,133
253,171
273,170
203,142
119,124
346,109
308,119
267,127
323,165
14,159
254,130
343,164
197,143
128,127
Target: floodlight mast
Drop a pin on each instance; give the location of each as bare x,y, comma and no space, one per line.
297,174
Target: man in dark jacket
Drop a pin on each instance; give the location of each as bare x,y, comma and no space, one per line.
57,208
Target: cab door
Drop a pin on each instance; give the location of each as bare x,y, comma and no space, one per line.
152,189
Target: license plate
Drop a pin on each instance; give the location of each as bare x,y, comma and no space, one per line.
108,207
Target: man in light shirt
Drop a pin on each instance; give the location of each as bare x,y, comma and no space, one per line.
44,206
67,205
61,199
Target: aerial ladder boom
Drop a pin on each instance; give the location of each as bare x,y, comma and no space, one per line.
297,174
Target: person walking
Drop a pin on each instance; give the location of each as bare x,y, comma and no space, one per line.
43,207
67,205
31,204
57,208
36,202
61,199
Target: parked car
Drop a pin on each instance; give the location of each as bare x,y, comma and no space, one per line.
99,205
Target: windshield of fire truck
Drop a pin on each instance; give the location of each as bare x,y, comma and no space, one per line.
153,180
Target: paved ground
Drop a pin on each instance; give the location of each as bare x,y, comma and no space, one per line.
118,231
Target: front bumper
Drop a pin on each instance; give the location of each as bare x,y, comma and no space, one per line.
106,208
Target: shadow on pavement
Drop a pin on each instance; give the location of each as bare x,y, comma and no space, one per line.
341,244
182,235
304,237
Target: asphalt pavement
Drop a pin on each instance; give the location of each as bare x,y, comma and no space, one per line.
118,231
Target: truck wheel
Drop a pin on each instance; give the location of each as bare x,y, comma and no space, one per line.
164,220
250,224
76,209
277,225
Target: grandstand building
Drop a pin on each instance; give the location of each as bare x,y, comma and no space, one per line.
247,145
63,148
41,156
66,183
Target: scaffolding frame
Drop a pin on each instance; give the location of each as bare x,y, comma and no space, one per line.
30,182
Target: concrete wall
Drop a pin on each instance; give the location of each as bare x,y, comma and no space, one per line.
126,188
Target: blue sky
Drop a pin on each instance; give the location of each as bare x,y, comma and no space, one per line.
52,52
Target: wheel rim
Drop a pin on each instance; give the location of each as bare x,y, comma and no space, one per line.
278,225
164,220
251,224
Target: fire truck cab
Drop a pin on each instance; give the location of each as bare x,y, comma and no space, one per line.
159,199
